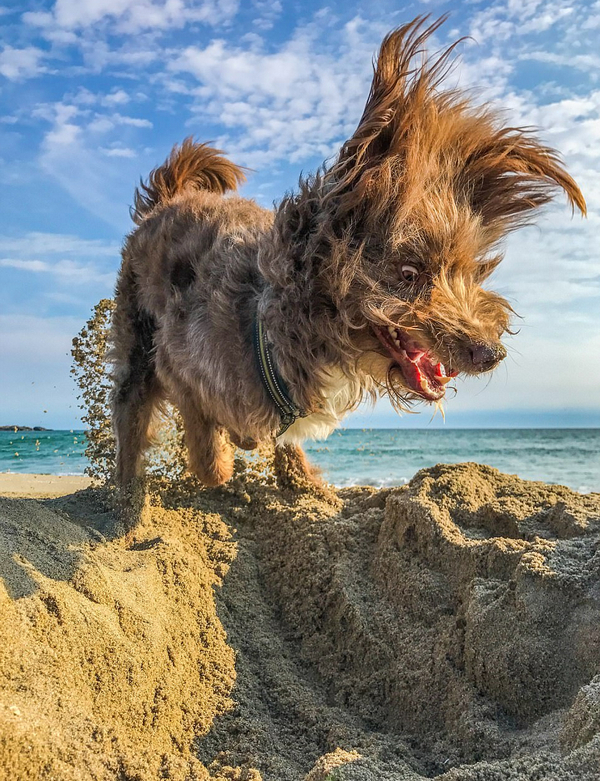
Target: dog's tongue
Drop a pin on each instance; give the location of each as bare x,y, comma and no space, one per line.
424,377
415,355
421,374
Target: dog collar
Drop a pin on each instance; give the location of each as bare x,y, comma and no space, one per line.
273,382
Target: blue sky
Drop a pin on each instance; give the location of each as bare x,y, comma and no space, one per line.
94,93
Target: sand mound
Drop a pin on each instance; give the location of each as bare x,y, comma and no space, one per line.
447,629
112,658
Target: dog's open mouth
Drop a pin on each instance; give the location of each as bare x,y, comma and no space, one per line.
422,372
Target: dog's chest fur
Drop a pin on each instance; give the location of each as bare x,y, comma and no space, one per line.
340,395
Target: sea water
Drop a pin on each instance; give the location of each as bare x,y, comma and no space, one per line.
380,457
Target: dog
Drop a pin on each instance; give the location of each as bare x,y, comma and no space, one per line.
367,281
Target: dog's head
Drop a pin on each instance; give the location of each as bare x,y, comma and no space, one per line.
402,231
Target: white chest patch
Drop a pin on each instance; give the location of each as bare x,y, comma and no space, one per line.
340,394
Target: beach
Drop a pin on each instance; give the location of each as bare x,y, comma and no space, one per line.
36,486
447,629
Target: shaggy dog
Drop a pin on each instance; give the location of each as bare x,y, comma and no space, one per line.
259,324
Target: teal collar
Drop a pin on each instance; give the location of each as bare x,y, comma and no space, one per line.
274,384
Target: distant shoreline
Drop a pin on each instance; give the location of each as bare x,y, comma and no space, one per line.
448,427
25,428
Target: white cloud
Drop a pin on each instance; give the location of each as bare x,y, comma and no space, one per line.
86,174
39,341
538,375
66,270
35,355
116,98
84,97
584,62
301,99
85,151
64,134
268,13
118,151
130,16
19,64
69,260
102,123
295,103
501,21
37,243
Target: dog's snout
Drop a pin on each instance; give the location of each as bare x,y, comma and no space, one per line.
486,356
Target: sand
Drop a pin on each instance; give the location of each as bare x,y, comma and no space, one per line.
448,629
40,486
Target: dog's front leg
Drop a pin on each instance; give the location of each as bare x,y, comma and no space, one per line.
210,454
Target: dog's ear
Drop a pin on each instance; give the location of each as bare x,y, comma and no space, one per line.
399,89
509,173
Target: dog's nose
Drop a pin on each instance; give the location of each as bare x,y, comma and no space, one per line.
486,356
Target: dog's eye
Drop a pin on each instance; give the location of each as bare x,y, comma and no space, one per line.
409,273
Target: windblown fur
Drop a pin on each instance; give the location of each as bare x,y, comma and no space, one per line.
368,279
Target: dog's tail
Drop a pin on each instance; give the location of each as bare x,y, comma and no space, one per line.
191,165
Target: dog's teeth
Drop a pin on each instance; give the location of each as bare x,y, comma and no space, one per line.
394,335
424,384
443,380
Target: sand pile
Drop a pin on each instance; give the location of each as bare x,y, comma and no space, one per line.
449,629
112,657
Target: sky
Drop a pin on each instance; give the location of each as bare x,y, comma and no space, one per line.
93,94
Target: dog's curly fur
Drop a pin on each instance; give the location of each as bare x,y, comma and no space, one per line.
399,232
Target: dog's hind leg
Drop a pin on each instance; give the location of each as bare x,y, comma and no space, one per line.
210,454
136,394
133,409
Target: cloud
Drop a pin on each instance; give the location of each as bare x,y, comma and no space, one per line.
84,97
20,64
58,265
67,270
85,151
300,100
37,243
105,122
116,98
118,151
295,103
131,16
537,376
35,355
501,21
22,339
584,62
268,12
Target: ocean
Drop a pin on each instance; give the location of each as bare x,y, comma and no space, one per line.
380,457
